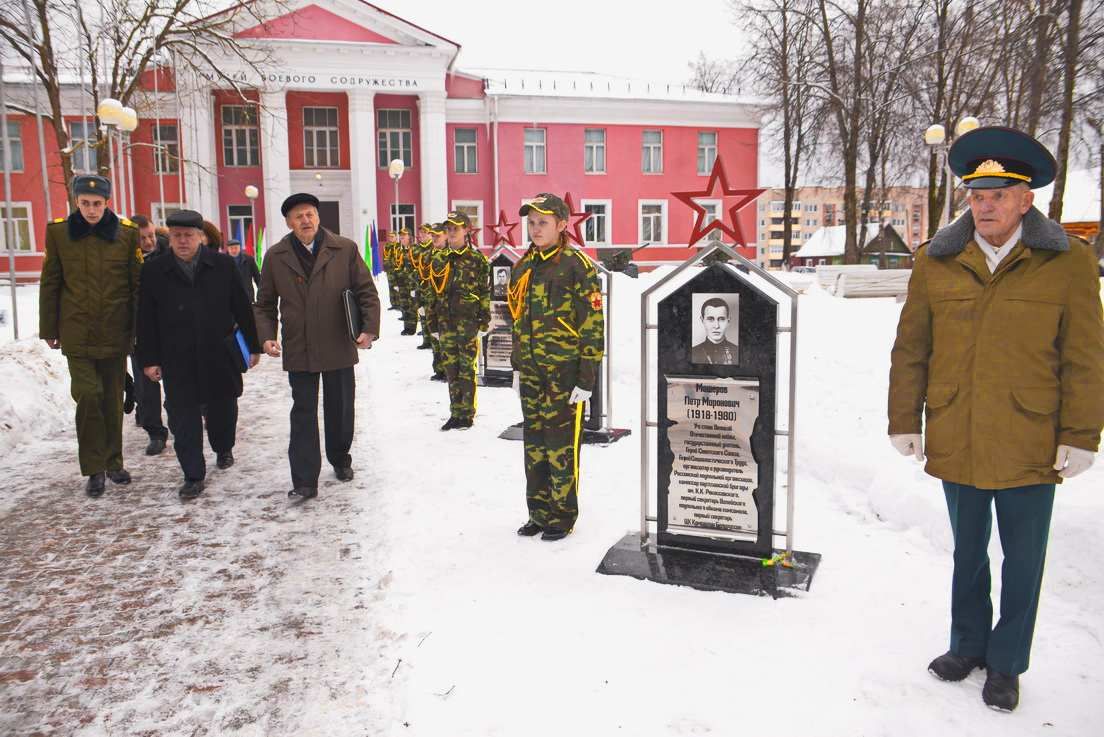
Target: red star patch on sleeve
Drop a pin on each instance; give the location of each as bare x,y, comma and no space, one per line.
596,300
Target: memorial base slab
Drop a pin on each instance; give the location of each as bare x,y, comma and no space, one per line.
708,571
590,437
496,380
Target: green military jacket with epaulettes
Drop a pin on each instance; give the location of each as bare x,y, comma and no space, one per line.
420,254
436,283
464,304
556,303
88,293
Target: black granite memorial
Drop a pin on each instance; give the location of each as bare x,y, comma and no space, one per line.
494,354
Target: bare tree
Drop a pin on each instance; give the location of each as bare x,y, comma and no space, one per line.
712,75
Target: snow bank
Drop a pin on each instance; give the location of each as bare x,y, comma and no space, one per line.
34,392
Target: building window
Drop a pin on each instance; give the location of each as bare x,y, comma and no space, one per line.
651,152
464,149
594,150
240,220
712,209
707,151
653,221
320,148
535,151
596,228
160,211
473,209
82,139
394,136
21,222
240,136
167,146
15,138
402,216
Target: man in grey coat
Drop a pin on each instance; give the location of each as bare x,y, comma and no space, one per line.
302,282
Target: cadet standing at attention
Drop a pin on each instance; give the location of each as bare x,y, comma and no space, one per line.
437,276
556,303
88,296
462,315
389,269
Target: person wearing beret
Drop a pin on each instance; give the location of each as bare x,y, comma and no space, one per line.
247,267
303,281
999,361
190,305
87,297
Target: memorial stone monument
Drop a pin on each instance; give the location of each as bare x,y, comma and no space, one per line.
494,355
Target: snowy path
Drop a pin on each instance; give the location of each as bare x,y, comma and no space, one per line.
403,603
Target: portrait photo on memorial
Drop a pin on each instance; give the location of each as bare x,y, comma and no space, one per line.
715,328
501,282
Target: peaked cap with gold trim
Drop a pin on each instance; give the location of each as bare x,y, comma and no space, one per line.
995,157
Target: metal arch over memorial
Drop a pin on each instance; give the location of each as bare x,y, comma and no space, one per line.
718,353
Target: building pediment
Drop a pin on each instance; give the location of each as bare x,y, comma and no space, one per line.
313,23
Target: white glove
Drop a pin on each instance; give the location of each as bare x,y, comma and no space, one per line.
1070,461
516,383
421,311
481,334
436,336
909,445
579,395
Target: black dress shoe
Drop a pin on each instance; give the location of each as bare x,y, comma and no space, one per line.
95,486
951,667
464,424
344,474
303,492
438,377
425,346
121,476
156,445
552,534
190,489
1001,691
225,460
529,529
407,331
449,424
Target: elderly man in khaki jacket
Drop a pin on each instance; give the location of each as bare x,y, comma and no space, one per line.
1000,348
303,280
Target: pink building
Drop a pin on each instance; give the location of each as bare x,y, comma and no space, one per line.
356,87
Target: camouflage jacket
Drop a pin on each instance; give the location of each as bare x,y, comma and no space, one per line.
436,264
556,303
464,304
420,255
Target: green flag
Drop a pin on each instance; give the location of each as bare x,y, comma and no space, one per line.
260,247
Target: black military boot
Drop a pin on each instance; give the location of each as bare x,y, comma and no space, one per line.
344,474
190,489
120,476
438,377
449,424
1001,691
464,424
224,460
95,486
425,346
156,445
303,492
951,667
553,533
407,331
529,529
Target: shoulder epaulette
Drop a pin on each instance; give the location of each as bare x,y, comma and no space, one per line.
125,221
584,258
55,221
482,255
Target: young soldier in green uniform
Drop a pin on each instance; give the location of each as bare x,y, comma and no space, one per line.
87,303
437,277
389,268
462,316
556,303
406,278
420,253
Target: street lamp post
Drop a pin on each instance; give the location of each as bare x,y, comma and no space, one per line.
936,137
129,125
110,113
251,193
395,169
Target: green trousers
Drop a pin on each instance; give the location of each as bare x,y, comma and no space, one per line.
459,351
551,431
97,387
1023,522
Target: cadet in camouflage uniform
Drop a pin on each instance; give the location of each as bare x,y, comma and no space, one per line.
389,269
406,279
420,254
556,303
462,314
438,273
88,297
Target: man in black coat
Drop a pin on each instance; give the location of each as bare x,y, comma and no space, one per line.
247,267
147,394
190,302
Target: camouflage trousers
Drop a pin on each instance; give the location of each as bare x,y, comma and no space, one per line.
392,289
423,323
459,351
552,429
408,304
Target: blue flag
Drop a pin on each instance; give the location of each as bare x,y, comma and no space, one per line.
377,261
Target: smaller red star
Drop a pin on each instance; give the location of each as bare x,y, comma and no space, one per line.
502,231
575,222
734,232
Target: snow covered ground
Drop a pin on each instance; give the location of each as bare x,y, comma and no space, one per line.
404,604
26,301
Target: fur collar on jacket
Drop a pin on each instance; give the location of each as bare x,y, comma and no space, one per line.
1038,232
107,228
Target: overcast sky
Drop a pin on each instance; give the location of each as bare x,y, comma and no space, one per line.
641,39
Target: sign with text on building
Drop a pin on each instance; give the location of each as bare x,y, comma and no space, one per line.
313,80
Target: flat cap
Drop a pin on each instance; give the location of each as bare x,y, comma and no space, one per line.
299,198
185,219
91,184
233,242
547,204
995,157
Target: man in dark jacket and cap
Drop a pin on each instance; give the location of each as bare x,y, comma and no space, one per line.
191,303
147,394
247,267
303,283
999,358
87,295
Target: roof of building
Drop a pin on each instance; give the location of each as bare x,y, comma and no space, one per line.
555,83
829,241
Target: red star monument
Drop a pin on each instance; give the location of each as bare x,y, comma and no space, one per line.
575,222
701,229
502,231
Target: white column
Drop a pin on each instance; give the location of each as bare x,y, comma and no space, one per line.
201,180
434,162
362,163
274,159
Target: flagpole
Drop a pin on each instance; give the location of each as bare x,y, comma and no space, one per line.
9,230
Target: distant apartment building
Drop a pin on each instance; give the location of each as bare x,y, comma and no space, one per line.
905,208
